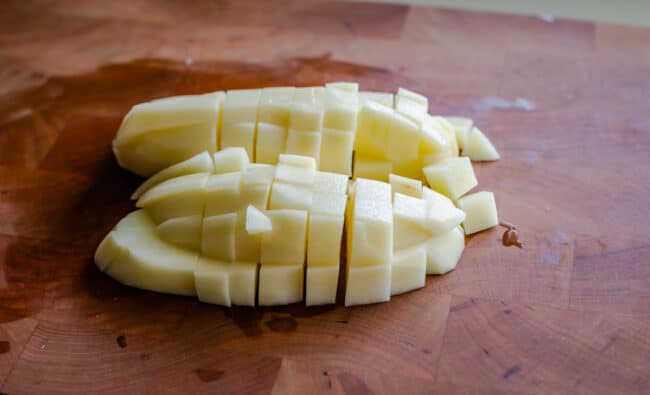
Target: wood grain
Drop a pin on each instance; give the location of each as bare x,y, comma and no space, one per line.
567,314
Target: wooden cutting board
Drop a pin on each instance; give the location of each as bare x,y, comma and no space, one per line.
566,103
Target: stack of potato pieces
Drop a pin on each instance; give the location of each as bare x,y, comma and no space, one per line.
249,195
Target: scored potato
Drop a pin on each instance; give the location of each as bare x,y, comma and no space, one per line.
251,195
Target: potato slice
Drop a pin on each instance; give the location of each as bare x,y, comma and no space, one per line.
136,256
177,197
200,163
182,231
239,119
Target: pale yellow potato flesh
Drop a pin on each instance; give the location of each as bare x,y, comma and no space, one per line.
285,212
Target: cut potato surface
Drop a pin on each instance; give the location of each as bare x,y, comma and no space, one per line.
250,199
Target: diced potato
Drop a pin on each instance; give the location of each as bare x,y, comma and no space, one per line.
403,139
218,237
200,163
330,182
444,251
481,211
321,285
336,151
137,257
411,105
368,284
371,168
404,185
294,175
340,109
447,131
176,197
383,98
242,282
410,169
408,270
230,159
442,214
434,144
306,117
280,285
182,231
479,148
211,281
161,133
372,130
409,218
452,177
374,191
223,194
239,119
328,203
304,162
256,221
275,106
351,87
305,144
271,142
462,127
286,243
324,243
256,185
239,135
288,196
372,232
247,246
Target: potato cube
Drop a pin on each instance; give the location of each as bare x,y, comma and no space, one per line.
336,151
453,177
294,175
372,242
177,197
371,168
286,243
247,246
271,142
275,106
230,159
442,214
383,98
409,218
304,162
328,203
306,117
289,196
479,148
403,139
404,185
256,185
351,87
481,211
256,221
374,191
368,284
218,237
324,241
240,106
340,112
280,285
305,144
408,270
321,285
211,281
242,282
372,130
444,251
239,135
182,231
330,182
462,127
223,194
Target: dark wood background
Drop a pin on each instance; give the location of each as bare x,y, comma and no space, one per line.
570,313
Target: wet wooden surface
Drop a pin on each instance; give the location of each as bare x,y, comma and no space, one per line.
570,313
